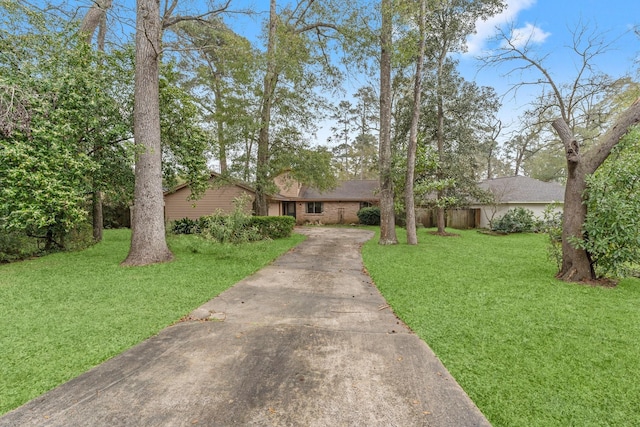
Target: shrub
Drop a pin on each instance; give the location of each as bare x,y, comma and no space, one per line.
185,226
369,216
233,228
516,220
15,245
273,227
551,224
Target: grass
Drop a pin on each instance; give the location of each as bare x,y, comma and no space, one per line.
528,349
64,313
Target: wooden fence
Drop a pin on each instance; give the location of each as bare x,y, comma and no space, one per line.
454,218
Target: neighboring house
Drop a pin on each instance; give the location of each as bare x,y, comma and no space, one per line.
518,191
305,204
218,197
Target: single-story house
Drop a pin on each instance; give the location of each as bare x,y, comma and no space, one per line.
305,204
518,191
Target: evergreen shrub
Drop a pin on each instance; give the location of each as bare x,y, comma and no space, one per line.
369,216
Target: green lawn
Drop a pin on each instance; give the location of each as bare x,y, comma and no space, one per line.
528,349
65,313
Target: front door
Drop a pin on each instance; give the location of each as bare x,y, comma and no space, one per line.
289,208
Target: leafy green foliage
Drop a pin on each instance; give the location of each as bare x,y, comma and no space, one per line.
184,142
369,216
516,220
273,227
185,226
70,115
612,225
551,224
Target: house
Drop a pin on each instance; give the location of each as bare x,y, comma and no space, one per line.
305,204
518,191
218,197
310,206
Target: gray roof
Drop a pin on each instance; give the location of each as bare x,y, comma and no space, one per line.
355,190
522,189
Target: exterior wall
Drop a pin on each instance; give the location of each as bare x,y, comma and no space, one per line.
488,213
274,209
177,205
287,186
332,213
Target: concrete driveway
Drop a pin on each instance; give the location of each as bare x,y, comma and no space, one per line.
306,341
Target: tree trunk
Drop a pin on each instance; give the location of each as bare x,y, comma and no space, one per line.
409,201
387,214
576,263
222,143
95,17
98,219
148,243
270,80
440,220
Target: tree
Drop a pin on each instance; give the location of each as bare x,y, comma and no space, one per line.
220,70
577,261
387,214
356,153
66,109
297,40
451,23
148,243
466,108
568,102
412,236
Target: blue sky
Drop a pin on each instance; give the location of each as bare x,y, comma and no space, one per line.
549,24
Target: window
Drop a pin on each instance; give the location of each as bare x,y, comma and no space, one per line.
314,207
365,205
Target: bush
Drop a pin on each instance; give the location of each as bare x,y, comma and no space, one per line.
15,245
551,224
516,220
273,227
185,226
369,216
233,228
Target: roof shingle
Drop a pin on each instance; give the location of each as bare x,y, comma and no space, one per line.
524,190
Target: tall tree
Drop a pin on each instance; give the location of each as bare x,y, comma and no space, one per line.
409,201
451,23
567,102
96,19
387,214
148,242
220,70
297,39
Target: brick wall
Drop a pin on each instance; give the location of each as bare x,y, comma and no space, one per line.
332,213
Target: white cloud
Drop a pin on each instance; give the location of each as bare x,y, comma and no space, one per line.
527,34
487,29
